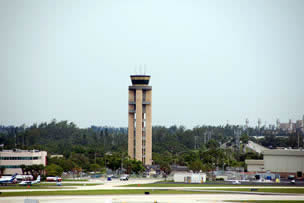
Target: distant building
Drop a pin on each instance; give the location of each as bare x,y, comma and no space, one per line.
176,168
290,127
187,177
283,162
255,165
11,160
57,156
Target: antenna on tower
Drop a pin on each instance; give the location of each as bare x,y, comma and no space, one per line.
144,69
139,69
259,123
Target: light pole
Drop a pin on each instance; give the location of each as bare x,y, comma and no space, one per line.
177,153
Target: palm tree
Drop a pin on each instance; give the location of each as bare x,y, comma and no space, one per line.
36,170
23,167
29,169
26,169
41,168
2,169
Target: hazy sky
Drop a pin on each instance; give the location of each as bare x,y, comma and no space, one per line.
209,61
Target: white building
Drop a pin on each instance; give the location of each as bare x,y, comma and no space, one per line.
255,165
284,161
57,156
187,177
12,159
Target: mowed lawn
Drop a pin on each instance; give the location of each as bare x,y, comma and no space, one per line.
272,190
142,191
18,187
193,185
98,192
47,185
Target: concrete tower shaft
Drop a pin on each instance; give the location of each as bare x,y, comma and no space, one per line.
140,119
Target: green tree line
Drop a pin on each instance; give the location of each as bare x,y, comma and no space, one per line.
96,148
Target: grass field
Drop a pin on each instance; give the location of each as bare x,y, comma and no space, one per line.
272,190
16,187
142,191
47,185
98,192
190,185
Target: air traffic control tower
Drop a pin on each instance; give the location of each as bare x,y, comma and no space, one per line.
140,119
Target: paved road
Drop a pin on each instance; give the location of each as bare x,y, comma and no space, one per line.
256,147
147,198
197,198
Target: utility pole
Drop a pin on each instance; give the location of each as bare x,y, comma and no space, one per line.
205,134
298,140
105,162
237,134
121,164
259,126
104,141
298,133
247,126
15,132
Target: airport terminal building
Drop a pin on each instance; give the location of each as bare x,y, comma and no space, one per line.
11,160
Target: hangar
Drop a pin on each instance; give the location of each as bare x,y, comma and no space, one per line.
285,162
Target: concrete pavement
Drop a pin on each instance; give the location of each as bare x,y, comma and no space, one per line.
176,198
151,198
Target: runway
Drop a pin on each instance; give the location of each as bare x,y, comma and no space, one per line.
165,198
152,198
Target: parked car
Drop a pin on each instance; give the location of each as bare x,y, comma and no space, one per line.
124,177
53,179
236,182
112,176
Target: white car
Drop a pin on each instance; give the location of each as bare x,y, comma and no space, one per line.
124,177
236,182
